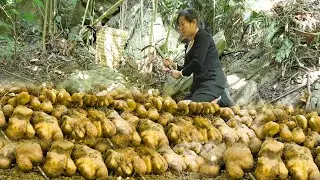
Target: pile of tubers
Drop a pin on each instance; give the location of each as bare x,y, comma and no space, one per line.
130,133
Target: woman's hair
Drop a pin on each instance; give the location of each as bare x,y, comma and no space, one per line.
190,15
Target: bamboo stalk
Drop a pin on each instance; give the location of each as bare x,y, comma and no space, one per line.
151,25
54,15
141,22
85,12
108,12
45,27
50,17
88,10
121,16
165,45
141,12
91,21
15,35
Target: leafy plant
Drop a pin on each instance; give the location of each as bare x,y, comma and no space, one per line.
284,51
10,23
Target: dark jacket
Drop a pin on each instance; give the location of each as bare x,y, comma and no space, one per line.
203,61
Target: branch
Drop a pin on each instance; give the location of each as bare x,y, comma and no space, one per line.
108,12
307,33
293,90
2,7
309,91
85,12
17,75
45,27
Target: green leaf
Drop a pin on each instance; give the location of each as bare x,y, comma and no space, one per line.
232,3
7,38
280,56
288,42
285,50
288,46
14,11
3,37
38,3
29,17
5,25
58,19
271,31
74,37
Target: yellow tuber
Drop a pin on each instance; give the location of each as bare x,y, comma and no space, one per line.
7,154
46,128
2,119
28,154
152,134
89,162
58,159
77,125
155,163
19,124
125,162
238,159
270,165
300,162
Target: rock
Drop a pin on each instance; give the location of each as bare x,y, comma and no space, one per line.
317,86
89,81
241,90
315,98
293,98
130,20
220,41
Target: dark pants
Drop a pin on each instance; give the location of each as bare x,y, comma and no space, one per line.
226,100
202,95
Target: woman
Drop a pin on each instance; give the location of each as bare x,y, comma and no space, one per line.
201,60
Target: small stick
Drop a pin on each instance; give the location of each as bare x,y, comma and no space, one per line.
3,97
111,144
251,176
17,75
43,173
142,177
291,91
309,91
5,136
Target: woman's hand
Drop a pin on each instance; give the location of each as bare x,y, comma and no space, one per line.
176,74
168,62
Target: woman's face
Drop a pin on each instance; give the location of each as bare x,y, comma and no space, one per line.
187,29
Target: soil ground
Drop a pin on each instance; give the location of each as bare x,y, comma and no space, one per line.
15,174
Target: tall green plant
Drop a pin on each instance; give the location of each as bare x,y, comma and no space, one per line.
168,9
9,24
